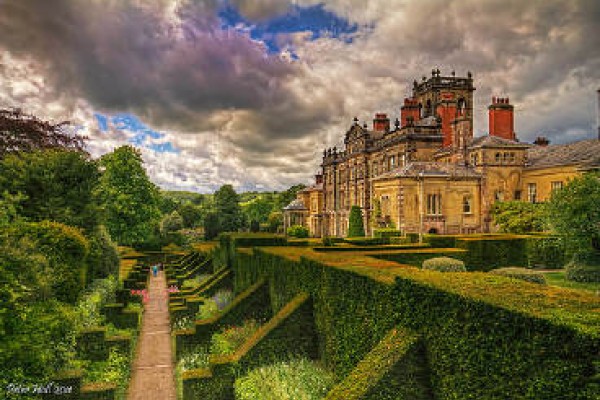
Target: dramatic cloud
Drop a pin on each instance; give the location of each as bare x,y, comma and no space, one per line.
249,92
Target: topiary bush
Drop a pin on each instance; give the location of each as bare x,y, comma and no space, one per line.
521,273
355,224
444,264
298,231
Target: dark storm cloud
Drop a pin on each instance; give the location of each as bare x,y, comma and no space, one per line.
128,56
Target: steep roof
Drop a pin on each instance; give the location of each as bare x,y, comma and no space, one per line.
431,169
585,153
495,141
296,205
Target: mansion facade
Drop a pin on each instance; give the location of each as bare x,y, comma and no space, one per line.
428,173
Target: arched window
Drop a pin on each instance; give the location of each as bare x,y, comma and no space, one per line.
512,157
498,158
461,107
505,158
428,109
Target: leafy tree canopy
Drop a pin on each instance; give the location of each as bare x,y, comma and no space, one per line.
575,211
20,132
53,185
519,216
130,200
228,209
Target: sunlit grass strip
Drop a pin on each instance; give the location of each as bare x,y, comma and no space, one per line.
296,379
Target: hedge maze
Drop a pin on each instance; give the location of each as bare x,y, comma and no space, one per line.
388,330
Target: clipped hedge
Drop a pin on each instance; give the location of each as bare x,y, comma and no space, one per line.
395,369
367,241
289,334
386,232
522,274
546,252
485,337
487,253
444,264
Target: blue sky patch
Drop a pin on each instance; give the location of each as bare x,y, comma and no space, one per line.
143,136
315,19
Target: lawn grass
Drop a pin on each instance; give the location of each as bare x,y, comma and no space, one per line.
557,278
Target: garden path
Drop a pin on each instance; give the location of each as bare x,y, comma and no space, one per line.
152,372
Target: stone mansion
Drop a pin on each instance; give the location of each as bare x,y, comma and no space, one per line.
428,173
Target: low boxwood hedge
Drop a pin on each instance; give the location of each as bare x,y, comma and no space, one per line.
521,273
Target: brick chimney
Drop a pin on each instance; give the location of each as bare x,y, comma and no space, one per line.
501,118
381,123
541,141
408,110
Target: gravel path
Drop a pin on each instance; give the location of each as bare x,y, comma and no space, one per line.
152,373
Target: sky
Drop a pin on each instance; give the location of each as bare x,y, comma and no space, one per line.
250,92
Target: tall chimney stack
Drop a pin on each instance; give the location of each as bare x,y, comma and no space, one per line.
501,118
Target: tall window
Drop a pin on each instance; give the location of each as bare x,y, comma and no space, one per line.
498,158
532,192
557,185
466,205
434,204
499,195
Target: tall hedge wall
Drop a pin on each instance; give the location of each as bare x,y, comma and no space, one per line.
486,337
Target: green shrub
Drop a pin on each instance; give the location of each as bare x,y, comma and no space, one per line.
298,231
297,379
100,293
521,273
413,237
444,264
231,338
103,259
355,224
66,250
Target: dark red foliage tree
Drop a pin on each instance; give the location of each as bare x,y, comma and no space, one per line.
22,132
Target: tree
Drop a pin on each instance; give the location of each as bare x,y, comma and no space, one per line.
254,226
519,216
259,208
130,200
171,223
275,221
191,215
287,196
356,227
211,226
20,132
55,185
228,209
575,212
